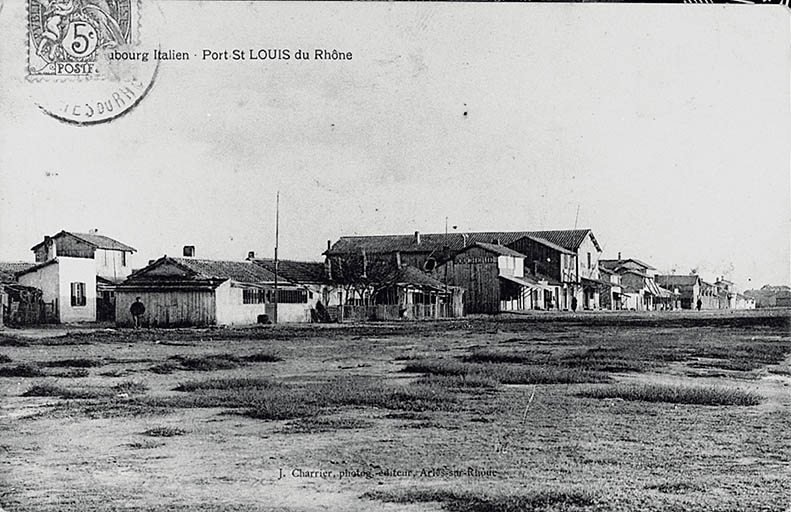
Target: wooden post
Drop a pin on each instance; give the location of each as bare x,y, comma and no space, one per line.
277,241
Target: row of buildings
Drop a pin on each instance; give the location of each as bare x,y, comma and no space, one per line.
78,277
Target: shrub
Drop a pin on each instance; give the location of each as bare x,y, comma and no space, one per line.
677,394
4,358
469,381
164,368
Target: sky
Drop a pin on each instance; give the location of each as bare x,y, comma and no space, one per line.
664,129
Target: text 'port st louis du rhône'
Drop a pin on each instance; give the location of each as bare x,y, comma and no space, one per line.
233,55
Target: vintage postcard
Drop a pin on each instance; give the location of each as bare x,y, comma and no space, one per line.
398,256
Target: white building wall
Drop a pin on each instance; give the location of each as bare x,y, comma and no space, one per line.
230,307
80,270
55,280
45,279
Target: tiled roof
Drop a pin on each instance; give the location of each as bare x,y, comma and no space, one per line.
498,249
240,271
9,269
409,275
672,280
98,241
435,242
614,264
296,271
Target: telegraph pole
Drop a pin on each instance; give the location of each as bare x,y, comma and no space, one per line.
277,242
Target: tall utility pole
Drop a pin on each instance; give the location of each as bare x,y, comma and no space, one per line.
277,242
446,254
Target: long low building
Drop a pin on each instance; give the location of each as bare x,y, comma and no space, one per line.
189,292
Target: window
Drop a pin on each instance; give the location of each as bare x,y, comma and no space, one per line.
589,260
123,259
253,296
78,294
292,296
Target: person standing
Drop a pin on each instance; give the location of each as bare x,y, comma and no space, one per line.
699,304
574,304
137,309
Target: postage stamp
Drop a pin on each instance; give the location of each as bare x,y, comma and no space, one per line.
70,46
67,35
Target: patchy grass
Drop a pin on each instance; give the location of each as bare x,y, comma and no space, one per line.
676,487
676,394
70,373
469,381
4,358
263,357
48,389
228,384
73,363
748,356
463,501
131,387
318,425
505,373
12,341
164,432
21,370
145,444
208,363
164,368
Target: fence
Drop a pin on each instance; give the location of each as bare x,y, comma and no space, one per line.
353,313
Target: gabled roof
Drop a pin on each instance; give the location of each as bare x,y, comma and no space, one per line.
94,239
296,271
435,242
495,248
210,270
409,275
615,264
673,280
9,270
33,268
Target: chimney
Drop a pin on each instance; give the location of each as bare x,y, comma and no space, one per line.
417,237
250,255
619,255
329,244
496,241
189,251
94,231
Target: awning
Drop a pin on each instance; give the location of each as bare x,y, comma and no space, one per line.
522,282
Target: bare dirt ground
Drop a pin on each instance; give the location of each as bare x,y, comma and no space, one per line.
494,414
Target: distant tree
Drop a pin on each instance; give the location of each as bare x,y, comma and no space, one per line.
363,277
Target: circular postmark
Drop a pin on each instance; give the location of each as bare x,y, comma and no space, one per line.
89,61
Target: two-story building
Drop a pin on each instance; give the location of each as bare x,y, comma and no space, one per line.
494,279
640,291
77,273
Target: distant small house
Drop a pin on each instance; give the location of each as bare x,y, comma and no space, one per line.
612,295
640,290
188,291
68,287
709,295
783,299
688,287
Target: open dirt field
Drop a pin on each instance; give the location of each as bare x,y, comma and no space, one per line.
576,412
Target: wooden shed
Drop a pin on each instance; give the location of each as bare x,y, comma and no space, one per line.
188,292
